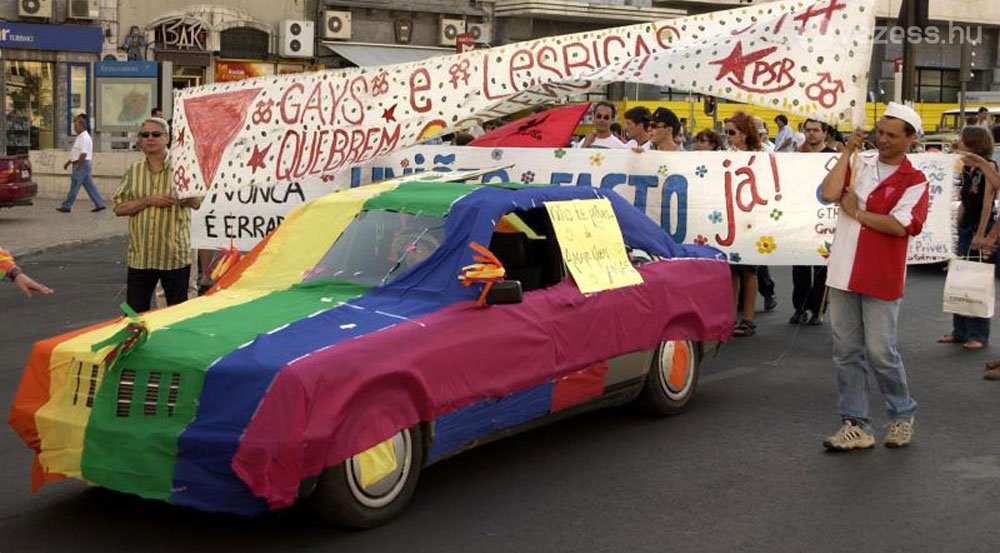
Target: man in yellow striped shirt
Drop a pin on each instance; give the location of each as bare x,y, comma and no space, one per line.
159,242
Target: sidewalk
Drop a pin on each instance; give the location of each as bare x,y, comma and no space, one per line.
31,230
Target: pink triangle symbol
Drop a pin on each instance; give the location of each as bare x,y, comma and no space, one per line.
215,121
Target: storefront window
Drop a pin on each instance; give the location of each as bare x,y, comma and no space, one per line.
79,94
29,106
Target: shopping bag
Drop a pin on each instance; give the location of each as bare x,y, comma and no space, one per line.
970,288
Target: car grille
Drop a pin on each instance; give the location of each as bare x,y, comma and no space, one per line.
128,392
86,378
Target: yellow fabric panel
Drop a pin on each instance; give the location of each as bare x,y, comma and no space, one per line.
305,236
377,463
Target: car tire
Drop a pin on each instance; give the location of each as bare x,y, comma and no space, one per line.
340,499
672,378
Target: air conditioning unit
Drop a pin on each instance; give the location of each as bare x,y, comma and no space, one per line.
34,8
337,24
481,33
84,9
450,28
295,38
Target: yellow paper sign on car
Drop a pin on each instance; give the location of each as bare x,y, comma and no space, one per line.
592,244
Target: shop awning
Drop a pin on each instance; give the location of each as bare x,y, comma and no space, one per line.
367,55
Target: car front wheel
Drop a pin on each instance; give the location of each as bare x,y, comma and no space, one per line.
672,378
373,487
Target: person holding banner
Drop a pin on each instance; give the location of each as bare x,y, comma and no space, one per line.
159,245
637,127
883,201
809,282
708,140
601,137
743,137
976,215
664,128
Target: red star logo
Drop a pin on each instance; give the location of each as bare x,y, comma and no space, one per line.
736,63
180,137
389,114
257,158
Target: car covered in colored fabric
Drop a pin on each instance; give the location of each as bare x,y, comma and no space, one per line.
344,353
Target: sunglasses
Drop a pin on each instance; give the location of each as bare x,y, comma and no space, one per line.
732,132
602,117
154,134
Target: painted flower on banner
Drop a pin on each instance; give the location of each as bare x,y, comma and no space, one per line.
597,160
715,217
404,163
701,240
824,250
776,214
528,177
497,154
559,153
701,171
663,170
766,245
734,257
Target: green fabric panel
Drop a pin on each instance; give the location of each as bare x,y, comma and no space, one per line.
136,454
421,198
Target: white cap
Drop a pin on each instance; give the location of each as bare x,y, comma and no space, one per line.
906,113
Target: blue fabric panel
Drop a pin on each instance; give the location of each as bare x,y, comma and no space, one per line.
235,385
479,420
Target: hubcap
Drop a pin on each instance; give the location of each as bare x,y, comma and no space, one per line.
384,490
677,360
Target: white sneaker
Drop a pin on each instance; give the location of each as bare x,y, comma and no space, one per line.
900,433
850,436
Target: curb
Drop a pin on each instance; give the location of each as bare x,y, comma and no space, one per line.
28,253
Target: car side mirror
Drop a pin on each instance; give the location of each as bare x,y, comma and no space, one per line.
504,292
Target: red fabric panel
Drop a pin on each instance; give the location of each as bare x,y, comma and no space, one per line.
579,387
325,407
549,129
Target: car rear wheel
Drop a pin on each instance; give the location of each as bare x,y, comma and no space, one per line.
672,378
346,496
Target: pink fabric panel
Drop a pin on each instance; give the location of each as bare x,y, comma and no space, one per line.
334,403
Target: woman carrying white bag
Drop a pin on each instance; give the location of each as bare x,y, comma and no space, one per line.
970,284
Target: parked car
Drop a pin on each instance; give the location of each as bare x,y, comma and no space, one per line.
16,184
343,354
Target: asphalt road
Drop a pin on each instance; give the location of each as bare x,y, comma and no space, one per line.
742,470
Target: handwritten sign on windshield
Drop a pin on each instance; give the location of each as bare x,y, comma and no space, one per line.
592,245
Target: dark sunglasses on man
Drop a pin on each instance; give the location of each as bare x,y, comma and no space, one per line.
154,134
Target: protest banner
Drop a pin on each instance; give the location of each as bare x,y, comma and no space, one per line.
806,58
756,207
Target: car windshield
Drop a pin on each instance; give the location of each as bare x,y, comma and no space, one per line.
378,246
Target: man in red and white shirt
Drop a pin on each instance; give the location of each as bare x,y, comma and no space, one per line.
883,201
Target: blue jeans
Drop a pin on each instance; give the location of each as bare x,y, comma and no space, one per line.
970,328
864,341
82,176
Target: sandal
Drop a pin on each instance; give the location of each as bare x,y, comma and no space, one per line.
745,328
994,364
949,339
973,345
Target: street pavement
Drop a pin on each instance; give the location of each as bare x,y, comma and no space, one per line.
29,230
741,470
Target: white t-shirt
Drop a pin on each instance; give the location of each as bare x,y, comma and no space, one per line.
783,134
647,145
82,145
611,142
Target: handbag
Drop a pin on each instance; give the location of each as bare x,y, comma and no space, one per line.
970,288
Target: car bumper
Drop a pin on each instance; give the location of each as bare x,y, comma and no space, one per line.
17,194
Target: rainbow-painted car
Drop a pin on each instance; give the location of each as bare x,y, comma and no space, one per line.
343,354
